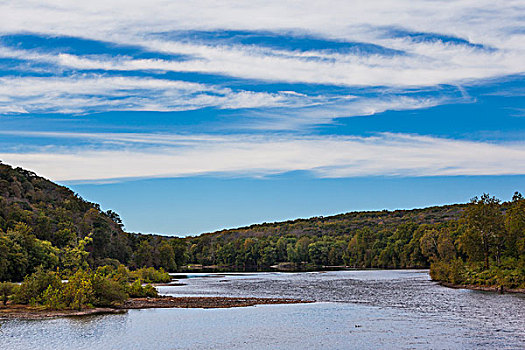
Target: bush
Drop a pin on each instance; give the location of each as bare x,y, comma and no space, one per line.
108,292
452,272
136,290
76,293
150,275
33,287
106,287
509,274
6,290
119,274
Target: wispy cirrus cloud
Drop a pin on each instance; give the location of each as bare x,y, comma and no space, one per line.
423,64
348,44
93,92
281,110
163,155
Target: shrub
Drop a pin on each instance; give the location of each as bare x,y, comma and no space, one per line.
453,271
108,292
83,289
150,275
119,274
6,290
34,286
136,290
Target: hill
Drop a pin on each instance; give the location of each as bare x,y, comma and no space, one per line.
344,224
55,214
48,225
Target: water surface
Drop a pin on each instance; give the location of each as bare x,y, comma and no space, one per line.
354,309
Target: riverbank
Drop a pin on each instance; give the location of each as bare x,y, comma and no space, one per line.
496,289
36,313
26,312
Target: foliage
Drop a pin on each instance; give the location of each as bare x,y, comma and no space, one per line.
33,287
44,226
39,218
137,290
84,288
485,232
151,275
108,292
492,243
6,290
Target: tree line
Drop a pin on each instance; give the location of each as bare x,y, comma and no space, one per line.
47,226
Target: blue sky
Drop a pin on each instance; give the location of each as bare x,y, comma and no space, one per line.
192,117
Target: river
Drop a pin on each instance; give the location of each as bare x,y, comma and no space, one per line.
371,309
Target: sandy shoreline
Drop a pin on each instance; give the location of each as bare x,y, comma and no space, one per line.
36,313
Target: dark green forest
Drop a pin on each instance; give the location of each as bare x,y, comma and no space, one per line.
44,226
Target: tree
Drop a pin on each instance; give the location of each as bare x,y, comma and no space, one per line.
515,225
485,229
76,257
301,249
78,291
167,256
438,245
143,255
115,218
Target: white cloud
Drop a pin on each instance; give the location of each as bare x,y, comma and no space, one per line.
299,118
88,93
493,27
285,110
248,155
426,63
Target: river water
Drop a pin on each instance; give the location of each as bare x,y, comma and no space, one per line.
373,309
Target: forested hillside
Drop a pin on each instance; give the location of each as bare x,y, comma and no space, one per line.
47,225
44,224
358,239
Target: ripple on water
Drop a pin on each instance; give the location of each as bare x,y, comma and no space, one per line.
356,309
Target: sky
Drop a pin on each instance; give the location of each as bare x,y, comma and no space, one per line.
193,116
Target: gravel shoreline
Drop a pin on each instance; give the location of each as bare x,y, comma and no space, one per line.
37,313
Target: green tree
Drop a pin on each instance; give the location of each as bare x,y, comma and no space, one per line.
515,225
301,249
76,257
143,257
485,229
167,256
78,291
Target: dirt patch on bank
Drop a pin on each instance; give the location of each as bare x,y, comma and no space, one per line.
36,313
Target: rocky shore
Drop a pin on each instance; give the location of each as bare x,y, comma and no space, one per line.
203,302
31,312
